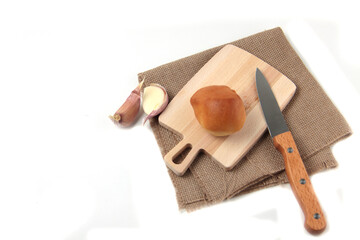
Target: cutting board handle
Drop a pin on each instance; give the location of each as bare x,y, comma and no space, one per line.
180,168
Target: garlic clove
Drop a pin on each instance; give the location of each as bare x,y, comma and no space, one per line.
155,100
127,113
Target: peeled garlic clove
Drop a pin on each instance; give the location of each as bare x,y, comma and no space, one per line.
127,113
155,100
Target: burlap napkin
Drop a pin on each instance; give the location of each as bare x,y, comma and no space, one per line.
314,121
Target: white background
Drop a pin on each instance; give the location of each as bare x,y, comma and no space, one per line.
67,172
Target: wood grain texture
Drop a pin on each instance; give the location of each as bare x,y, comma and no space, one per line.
235,68
299,180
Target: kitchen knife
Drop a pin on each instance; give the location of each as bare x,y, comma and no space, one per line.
315,221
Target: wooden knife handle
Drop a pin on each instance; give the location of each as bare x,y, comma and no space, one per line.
299,180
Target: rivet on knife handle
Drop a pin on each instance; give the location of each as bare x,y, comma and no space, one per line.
315,221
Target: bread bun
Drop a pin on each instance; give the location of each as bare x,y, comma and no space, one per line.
219,109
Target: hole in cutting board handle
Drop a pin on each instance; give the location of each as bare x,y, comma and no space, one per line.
180,158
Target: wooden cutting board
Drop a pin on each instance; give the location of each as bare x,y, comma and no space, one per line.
235,68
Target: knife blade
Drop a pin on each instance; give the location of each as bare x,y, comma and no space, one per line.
283,140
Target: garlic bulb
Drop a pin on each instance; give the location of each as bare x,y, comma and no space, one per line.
155,100
127,113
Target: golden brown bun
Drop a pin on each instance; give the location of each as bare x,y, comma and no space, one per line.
219,109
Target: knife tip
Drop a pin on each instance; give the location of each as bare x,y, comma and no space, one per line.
257,72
